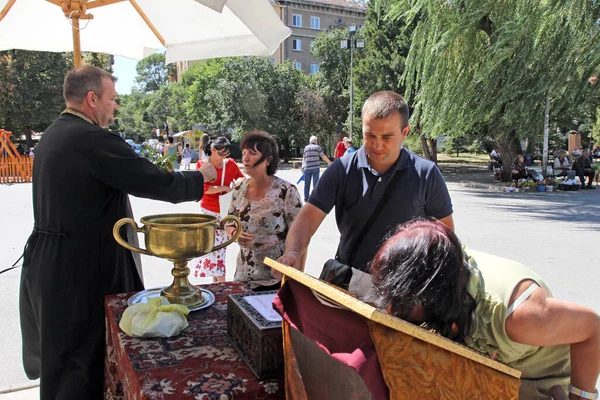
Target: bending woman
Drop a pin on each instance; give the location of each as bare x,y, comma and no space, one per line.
491,304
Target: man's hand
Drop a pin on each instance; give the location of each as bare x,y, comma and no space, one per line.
291,259
209,172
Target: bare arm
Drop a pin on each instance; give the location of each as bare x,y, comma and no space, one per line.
326,159
448,221
217,189
542,321
298,238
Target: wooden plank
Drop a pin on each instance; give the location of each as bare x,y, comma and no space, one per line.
345,300
147,21
6,9
101,3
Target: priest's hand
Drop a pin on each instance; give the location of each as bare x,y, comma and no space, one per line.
209,172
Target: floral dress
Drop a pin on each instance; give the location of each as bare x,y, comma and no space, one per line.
269,220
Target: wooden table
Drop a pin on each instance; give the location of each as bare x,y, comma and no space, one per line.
199,363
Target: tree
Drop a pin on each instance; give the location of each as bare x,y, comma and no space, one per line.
100,60
488,63
31,95
152,73
333,79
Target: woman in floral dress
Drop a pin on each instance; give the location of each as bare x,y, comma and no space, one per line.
213,264
266,205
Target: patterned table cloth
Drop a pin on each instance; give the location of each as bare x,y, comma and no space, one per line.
200,363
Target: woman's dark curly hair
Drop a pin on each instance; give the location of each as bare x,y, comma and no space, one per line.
266,145
423,264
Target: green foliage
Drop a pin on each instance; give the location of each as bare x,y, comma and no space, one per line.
152,73
31,89
100,60
164,161
387,42
492,63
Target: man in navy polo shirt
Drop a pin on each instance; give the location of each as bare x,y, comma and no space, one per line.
357,186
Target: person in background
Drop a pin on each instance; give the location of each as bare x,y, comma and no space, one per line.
340,148
172,148
583,168
519,171
161,144
186,156
496,306
266,205
31,152
349,147
82,176
202,156
213,264
495,154
562,164
311,164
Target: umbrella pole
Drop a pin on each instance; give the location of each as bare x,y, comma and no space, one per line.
76,41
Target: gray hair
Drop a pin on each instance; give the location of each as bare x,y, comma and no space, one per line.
80,81
312,140
385,103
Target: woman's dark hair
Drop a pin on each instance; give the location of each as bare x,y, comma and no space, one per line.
266,145
423,264
219,143
161,139
171,139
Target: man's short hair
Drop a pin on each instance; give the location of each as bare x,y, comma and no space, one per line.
385,103
312,140
80,81
349,141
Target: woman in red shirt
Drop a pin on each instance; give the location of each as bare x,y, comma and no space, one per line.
213,264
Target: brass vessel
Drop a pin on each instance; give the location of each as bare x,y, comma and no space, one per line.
178,238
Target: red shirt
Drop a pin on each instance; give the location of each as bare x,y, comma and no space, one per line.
232,172
340,149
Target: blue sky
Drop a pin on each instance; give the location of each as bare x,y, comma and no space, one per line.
124,70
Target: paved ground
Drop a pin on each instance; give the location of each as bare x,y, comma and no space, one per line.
556,234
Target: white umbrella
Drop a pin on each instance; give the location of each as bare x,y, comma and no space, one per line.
188,29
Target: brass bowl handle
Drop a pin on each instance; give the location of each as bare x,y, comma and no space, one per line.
124,243
237,233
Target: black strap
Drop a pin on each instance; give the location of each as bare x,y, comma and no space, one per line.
374,215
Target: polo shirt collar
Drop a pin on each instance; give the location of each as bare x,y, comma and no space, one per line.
401,163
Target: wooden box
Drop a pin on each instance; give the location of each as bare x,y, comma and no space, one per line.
258,340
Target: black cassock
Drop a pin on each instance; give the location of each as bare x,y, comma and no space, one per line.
81,177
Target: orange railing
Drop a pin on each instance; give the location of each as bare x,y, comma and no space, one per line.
14,168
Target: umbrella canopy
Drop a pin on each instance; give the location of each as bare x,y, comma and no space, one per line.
188,29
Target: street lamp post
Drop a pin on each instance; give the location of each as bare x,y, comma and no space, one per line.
352,44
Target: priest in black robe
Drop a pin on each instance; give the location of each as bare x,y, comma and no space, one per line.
81,179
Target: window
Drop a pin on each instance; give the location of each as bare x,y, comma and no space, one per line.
314,68
315,23
298,65
296,20
297,44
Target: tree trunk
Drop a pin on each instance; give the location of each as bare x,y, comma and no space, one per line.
425,147
509,147
433,147
546,132
286,149
28,139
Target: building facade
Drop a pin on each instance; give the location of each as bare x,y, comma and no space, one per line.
307,18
